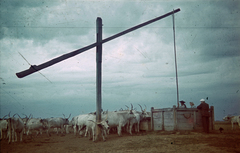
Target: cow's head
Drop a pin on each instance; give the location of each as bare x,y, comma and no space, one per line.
103,124
65,120
144,113
227,118
44,123
23,120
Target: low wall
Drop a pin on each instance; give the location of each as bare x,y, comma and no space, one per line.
171,119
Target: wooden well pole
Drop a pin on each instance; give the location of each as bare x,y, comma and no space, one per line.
98,73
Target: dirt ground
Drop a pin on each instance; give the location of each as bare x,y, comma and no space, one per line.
184,141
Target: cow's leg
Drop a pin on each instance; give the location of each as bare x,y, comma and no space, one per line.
103,133
232,125
119,128
75,129
27,132
48,133
9,135
138,124
89,135
21,135
86,131
67,130
93,134
130,128
15,133
62,129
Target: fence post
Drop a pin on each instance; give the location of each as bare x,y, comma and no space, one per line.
194,119
152,127
163,121
175,117
212,118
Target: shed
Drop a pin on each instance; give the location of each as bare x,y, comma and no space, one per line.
172,119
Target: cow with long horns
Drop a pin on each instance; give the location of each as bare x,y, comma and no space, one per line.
15,127
58,122
92,124
120,118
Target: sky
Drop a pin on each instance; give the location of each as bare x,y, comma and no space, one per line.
137,68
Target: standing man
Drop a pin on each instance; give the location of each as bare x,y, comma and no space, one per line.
204,107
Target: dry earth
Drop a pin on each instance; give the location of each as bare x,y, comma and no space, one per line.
228,141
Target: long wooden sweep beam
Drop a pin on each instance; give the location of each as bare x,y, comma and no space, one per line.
35,68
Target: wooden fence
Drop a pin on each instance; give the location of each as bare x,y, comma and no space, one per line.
172,119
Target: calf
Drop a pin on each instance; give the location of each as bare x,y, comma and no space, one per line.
234,119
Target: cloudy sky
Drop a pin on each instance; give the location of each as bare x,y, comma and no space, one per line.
138,67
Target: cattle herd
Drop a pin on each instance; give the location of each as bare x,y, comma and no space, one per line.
111,121
85,124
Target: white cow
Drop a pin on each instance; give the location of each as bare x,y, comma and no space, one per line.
37,124
3,128
58,122
119,119
136,121
79,122
15,127
233,119
91,127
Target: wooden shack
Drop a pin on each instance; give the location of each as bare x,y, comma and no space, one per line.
177,119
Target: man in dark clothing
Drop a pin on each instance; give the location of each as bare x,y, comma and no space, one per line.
204,107
182,104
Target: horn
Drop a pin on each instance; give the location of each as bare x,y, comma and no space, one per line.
106,116
26,115
69,116
64,116
140,107
127,107
18,116
4,116
9,114
145,107
131,106
30,115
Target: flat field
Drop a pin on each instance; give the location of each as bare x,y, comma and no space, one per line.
160,141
